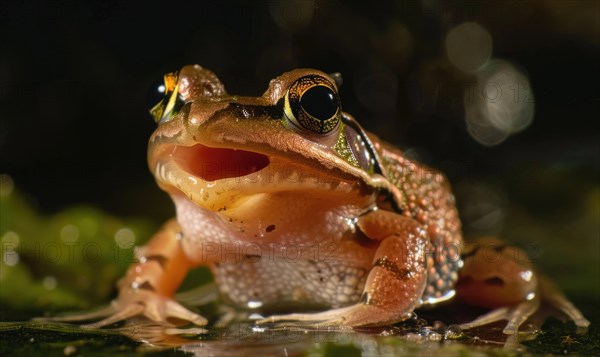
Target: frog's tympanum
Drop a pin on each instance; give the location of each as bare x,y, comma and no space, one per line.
295,208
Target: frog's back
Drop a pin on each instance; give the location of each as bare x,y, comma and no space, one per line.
426,197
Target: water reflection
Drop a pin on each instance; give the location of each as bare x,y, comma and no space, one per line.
247,339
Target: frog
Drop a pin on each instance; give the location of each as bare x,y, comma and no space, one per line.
303,216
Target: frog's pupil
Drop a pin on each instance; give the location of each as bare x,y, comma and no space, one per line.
320,102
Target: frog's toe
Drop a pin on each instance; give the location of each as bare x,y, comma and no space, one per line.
79,317
349,316
177,311
157,312
553,296
519,314
516,316
146,303
128,312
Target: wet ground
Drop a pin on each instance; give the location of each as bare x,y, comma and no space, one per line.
412,338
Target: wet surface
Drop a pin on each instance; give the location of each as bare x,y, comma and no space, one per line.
417,336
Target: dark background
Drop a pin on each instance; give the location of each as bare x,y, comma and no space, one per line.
74,78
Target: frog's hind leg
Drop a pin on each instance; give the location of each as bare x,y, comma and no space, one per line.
518,314
395,282
502,278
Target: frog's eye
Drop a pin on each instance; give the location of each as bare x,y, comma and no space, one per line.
163,99
355,147
312,103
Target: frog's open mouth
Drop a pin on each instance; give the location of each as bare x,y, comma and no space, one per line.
214,178
212,164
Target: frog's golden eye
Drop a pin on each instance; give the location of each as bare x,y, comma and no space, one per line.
164,99
312,103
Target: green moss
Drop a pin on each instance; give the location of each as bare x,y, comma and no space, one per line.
69,260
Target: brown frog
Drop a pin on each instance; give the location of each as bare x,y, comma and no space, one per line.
291,204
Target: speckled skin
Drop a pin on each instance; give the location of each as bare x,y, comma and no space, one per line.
428,200
291,219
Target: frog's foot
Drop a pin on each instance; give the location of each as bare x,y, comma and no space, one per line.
136,303
516,316
148,286
151,305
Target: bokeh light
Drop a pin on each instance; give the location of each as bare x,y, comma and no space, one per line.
125,238
49,283
469,46
69,233
6,185
10,242
292,15
500,104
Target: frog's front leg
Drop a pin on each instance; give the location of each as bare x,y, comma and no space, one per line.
395,282
148,287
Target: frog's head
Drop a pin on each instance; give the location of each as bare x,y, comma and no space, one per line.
224,150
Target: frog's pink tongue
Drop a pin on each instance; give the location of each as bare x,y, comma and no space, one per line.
211,164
